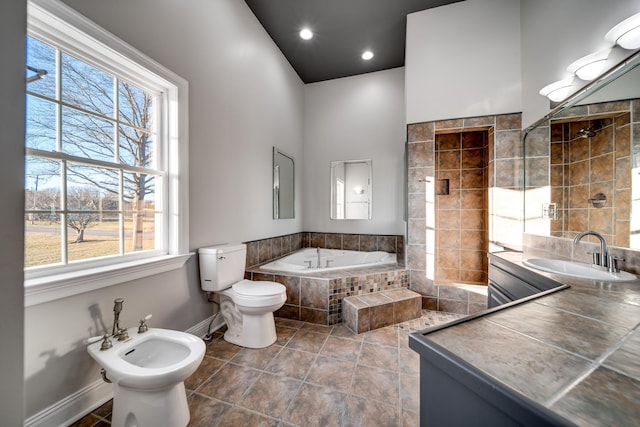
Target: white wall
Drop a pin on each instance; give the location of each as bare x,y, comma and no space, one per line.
244,98
463,60
355,118
556,33
12,30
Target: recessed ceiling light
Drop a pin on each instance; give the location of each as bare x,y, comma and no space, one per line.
367,55
306,34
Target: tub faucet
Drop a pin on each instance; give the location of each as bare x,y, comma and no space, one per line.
318,250
602,259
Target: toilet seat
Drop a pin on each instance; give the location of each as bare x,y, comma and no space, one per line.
247,293
258,288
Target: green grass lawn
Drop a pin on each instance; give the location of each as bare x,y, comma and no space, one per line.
42,248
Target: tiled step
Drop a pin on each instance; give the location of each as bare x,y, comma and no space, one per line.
362,313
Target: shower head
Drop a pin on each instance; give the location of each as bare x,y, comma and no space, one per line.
586,133
590,131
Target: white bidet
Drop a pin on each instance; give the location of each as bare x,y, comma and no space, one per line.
148,372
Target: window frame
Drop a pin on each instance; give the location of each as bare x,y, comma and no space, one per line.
59,25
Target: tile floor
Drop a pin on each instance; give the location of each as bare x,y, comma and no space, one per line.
312,376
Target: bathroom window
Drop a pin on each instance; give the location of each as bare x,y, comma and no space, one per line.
104,150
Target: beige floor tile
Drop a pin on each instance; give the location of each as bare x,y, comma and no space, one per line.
331,372
410,393
307,341
316,406
237,417
206,412
383,336
379,356
370,413
207,368
291,363
377,384
284,334
271,395
257,358
230,383
222,349
341,348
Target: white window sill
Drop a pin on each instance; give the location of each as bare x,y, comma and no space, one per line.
50,288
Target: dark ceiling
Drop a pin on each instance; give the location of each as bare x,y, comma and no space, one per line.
343,29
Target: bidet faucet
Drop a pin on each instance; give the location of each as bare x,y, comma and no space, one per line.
603,245
117,332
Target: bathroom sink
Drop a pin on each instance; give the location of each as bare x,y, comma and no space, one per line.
577,269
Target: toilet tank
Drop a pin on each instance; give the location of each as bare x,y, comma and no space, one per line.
221,266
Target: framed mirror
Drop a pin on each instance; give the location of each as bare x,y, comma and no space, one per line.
283,185
351,189
582,162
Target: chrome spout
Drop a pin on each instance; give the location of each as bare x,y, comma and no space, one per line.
117,308
319,261
603,244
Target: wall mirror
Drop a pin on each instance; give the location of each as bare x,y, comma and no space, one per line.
351,189
283,185
582,162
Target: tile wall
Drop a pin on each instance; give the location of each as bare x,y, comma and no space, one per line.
266,250
461,207
581,168
504,192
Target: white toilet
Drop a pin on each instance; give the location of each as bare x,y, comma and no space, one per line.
247,306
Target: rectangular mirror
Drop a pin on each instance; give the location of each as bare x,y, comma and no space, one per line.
582,163
351,189
283,185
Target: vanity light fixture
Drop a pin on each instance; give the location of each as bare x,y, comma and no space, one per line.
557,91
591,66
626,34
306,34
367,55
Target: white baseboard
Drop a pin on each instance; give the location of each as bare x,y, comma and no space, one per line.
85,400
73,407
202,328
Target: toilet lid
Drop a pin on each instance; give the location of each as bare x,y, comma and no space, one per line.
258,288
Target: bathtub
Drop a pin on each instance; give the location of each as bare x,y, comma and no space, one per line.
330,259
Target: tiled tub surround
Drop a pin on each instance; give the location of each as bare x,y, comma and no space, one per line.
266,250
316,297
504,184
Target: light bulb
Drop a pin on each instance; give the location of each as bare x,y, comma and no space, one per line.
306,34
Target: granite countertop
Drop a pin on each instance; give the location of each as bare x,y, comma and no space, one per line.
575,351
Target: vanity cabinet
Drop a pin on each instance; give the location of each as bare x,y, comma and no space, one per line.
455,393
509,282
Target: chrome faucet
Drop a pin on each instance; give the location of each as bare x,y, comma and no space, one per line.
602,258
318,264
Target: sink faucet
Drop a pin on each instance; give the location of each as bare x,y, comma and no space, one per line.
318,264
603,245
